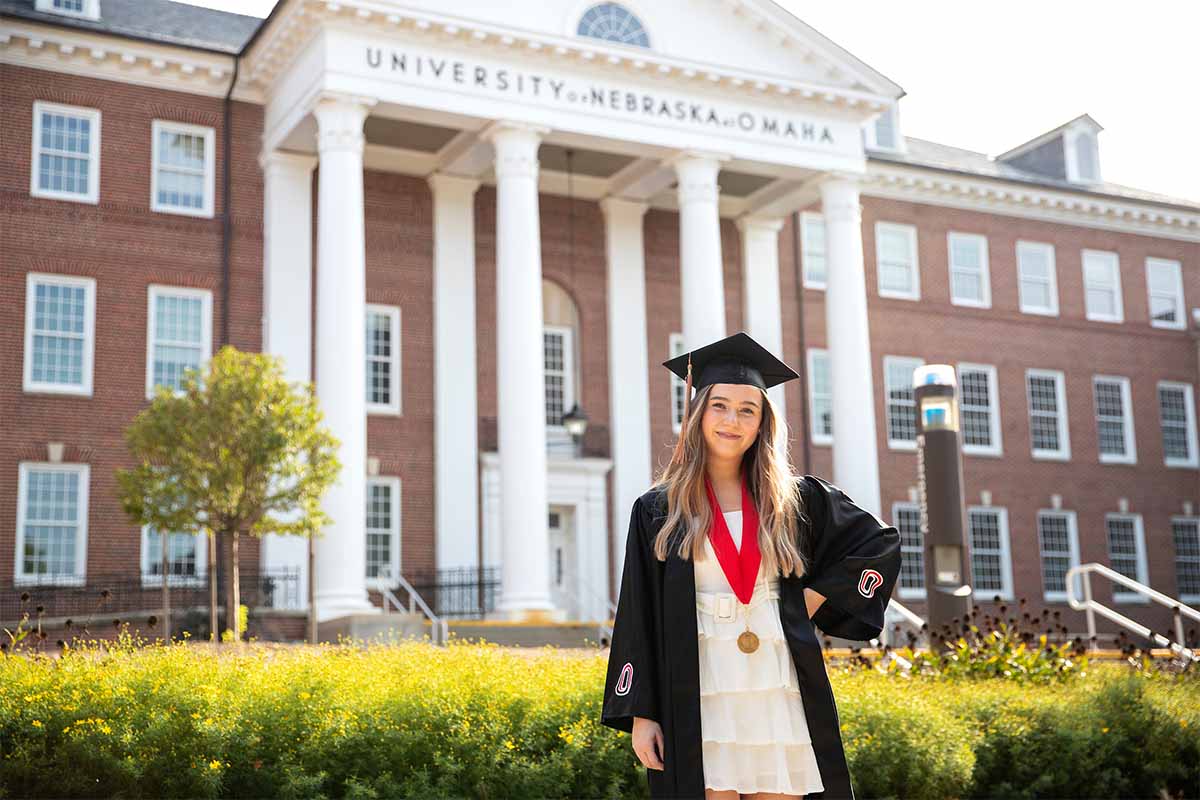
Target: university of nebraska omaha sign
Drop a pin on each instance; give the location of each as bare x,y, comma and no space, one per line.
565,92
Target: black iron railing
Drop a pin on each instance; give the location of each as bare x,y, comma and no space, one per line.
461,593
107,597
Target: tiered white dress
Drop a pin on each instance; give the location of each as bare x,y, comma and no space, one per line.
754,731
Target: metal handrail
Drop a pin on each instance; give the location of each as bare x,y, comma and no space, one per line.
1093,607
439,629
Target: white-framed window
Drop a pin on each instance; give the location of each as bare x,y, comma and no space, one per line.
1049,436
178,334
559,352
1127,554
1038,278
979,410
1083,157
678,384
613,22
187,558
896,261
88,9
1164,286
883,133
52,518
1177,415
383,532
991,558
383,359
1186,533
820,396
970,282
1114,419
60,333
1102,286
66,153
907,519
900,405
1058,542
182,179
812,238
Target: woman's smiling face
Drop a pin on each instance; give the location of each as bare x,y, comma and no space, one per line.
731,419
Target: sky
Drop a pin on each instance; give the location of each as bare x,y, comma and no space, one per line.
987,76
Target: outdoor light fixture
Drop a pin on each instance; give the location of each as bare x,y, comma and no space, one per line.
939,466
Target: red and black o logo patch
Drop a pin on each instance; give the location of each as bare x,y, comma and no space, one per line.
868,582
625,681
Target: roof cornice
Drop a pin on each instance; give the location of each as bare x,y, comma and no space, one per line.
117,58
998,196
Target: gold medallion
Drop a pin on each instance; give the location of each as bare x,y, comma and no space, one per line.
748,641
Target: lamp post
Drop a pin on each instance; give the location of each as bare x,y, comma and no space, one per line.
576,422
939,466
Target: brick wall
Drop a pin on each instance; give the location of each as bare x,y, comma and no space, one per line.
126,247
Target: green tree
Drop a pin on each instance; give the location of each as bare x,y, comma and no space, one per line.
239,451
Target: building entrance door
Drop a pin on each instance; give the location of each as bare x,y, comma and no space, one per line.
564,585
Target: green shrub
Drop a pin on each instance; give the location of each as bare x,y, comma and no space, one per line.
411,720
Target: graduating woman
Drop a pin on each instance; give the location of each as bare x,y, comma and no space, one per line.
715,667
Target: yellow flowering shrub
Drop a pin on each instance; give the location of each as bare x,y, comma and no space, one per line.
411,720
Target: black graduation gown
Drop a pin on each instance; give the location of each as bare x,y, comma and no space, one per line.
653,663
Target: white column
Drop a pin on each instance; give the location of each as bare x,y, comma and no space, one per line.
762,312
456,445
628,363
520,390
855,457
700,267
341,352
287,306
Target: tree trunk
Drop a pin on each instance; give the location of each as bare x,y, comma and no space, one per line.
312,590
213,623
232,593
166,590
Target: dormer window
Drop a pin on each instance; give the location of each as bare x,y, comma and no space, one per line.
884,132
613,22
1069,152
1086,161
85,9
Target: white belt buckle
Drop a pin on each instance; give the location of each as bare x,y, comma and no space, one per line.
725,607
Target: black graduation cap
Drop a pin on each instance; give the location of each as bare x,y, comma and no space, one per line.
734,359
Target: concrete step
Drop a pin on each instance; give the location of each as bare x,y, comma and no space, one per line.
370,626
525,634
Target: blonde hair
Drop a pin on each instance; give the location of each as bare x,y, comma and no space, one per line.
769,478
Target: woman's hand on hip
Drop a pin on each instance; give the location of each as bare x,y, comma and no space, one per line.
648,742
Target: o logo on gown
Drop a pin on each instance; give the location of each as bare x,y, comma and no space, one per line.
626,679
868,582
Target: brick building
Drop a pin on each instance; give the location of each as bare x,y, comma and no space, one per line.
176,180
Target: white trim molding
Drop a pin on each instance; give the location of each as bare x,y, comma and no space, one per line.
1003,553
1072,552
1119,593
909,232
87,335
816,354
1130,440
1109,259
917,184
393,406
156,292
1051,279
1174,293
79,575
1189,407
985,283
92,116
395,531
1063,452
207,170
996,448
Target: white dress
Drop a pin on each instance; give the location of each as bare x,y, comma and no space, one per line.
755,735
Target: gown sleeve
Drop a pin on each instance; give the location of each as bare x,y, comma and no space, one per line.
631,687
855,562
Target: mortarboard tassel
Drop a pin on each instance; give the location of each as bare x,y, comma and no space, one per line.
677,456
